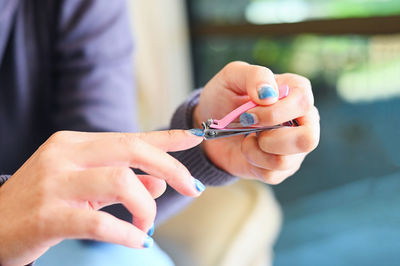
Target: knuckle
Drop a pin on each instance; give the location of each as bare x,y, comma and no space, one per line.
234,64
307,142
269,177
48,150
129,142
263,70
315,111
231,67
48,156
178,166
303,80
280,162
151,210
275,181
124,139
255,71
246,148
148,212
121,178
43,220
271,117
171,133
96,227
306,102
59,136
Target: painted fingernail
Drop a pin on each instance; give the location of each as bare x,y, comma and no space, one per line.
266,91
199,186
247,119
148,242
197,132
151,231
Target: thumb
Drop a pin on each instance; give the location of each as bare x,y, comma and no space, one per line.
261,85
173,140
256,81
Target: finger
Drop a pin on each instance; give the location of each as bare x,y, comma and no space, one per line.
155,186
97,225
110,185
299,102
124,151
270,176
172,140
292,140
256,81
256,157
166,140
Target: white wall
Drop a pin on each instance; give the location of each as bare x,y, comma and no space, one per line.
162,61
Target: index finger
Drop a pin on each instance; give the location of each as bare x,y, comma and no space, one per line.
166,140
128,150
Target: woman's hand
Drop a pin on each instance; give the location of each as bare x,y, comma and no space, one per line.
57,193
273,155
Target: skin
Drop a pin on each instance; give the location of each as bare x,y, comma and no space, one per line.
57,193
274,155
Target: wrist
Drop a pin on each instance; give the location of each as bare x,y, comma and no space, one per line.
196,120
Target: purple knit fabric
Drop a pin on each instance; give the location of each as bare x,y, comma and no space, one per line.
3,179
195,159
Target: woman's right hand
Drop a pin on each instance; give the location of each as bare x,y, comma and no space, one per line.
57,193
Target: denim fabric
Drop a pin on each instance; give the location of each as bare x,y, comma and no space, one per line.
79,253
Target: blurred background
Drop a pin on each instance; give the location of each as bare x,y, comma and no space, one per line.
342,207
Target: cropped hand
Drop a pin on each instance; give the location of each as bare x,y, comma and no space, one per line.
57,193
270,156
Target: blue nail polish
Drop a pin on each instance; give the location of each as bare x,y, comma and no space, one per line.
266,92
199,186
197,132
151,231
247,119
148,242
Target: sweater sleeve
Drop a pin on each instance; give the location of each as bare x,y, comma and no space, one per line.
3,179
194,159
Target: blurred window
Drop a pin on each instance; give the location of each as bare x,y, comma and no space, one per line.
349,49
304,37
343,202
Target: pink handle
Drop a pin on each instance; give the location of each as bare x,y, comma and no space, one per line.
224,122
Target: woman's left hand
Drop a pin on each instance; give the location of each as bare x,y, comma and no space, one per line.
270,156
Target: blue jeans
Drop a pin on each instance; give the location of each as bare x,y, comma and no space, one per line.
79,253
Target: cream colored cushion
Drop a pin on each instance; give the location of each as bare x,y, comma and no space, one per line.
232,225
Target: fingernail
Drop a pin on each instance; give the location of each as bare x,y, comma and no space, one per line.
199,186
148,242
151,231
197,132
266,91
247,119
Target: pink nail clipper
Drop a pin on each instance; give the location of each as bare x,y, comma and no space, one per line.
214,129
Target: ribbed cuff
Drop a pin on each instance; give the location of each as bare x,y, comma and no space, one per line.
195,159
3,179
